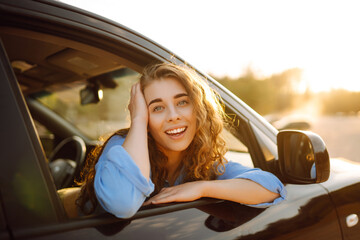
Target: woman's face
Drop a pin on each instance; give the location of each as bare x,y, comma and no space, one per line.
172,121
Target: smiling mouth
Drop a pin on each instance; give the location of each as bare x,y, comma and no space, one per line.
176,131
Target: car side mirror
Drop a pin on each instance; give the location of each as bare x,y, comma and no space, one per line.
303,157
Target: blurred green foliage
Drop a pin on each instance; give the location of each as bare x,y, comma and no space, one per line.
276,93
285,92
340,101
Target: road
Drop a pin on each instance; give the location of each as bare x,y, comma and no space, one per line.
341,135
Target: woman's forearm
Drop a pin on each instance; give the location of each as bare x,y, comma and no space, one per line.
135,142
238,190
136,145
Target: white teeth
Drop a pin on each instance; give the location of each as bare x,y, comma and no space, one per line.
175,131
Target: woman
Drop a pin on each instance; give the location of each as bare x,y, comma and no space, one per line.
173,151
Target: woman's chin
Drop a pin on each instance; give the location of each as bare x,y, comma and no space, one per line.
176,147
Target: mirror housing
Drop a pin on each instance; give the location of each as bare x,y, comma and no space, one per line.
303,157
91,94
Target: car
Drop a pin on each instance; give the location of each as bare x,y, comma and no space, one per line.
65,76
291,121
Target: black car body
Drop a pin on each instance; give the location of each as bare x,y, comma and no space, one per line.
48,47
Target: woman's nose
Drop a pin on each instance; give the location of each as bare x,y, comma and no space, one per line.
173,114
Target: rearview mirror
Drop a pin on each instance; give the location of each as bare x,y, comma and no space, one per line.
90,94
303,157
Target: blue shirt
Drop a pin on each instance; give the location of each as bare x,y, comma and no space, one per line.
121,189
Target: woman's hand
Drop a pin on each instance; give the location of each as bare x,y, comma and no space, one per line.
137,106
181,193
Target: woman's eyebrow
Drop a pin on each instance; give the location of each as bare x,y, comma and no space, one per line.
160,100
180,95
155,101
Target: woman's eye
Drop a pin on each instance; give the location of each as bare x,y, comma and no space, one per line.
157,108
182,103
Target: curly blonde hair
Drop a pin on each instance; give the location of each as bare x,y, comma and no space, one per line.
204,158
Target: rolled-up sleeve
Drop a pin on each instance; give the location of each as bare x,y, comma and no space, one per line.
119,185
266,179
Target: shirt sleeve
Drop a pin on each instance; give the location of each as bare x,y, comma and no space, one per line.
119,185
267,180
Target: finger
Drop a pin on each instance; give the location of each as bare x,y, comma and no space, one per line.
148,202
166,196
132,96
134,89
164,199
164,189
155,198
137,87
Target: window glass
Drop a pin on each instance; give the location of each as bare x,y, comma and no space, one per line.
268,147
233,143
237,151
46,138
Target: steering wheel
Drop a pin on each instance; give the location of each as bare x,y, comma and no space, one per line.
66,161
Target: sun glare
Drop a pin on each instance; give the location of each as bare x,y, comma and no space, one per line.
332,77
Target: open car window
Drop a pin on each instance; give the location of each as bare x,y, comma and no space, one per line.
110,114
99,120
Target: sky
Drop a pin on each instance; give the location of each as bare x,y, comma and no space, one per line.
226,38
